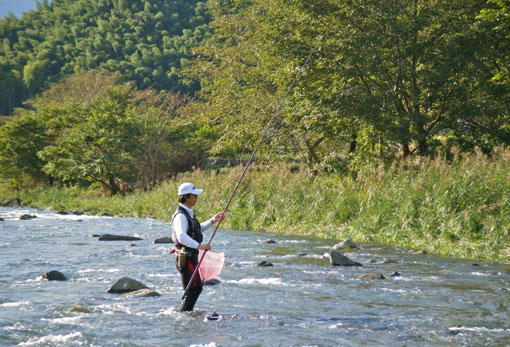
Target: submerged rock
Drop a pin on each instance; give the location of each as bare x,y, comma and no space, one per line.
54,275
388,261
79,307
110,237
163,240
372,276
395,274
384,261
418,252
212,282
27,217
143,293
265,264
338,259
271,241
125,285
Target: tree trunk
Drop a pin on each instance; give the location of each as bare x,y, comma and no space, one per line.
353,143
423,147
112,187
310,149
405,149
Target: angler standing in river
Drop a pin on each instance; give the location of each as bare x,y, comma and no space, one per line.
187,235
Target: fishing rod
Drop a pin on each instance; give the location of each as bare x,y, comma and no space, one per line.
249,162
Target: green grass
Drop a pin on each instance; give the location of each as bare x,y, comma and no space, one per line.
457,210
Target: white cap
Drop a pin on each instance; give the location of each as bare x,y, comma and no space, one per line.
188,188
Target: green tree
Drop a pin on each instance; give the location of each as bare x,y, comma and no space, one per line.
237,95
20,140
91,129
100,147
406,73
497,22
165,137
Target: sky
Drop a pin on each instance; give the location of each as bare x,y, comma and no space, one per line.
17,7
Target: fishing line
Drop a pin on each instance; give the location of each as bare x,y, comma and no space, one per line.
251,159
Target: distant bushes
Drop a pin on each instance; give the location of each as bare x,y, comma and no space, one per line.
90,129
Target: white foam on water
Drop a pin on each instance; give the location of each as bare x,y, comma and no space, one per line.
335,326
212,344
114,308
171,311
293,241
430,278
159,275
54,340
319,272
273,280
242,264
15,304
482,274
399,291
98,270
478,329
63,320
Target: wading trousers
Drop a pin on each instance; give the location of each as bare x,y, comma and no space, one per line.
196,286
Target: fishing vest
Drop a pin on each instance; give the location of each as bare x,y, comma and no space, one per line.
194,229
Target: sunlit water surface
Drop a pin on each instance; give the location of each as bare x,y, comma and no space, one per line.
301,301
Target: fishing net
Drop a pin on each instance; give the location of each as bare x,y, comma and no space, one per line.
211,266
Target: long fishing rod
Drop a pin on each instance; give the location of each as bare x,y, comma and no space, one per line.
249,162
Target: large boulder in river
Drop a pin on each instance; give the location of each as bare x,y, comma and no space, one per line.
346,244
79,307
110,237
143,293
372,276
54,275
163,240
126,285
338,259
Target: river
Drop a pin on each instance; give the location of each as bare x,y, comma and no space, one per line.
300,301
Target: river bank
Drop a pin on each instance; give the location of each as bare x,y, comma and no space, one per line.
459,209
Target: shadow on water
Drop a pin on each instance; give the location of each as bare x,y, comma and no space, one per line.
301,300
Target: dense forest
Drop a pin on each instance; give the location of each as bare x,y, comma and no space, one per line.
118,92
147,42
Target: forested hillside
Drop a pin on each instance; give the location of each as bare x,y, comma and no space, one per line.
146,41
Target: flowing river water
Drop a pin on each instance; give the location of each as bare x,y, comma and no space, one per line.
300,301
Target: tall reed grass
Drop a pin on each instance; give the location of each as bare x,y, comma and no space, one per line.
459,209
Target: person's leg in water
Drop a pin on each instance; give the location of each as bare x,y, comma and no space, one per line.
195,288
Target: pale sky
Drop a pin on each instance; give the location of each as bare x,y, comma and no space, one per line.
17,7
